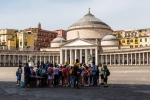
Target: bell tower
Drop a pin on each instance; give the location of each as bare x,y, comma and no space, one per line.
39,25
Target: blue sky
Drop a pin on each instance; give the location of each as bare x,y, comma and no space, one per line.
60,14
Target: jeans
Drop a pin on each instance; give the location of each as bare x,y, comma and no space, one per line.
72,80
94,80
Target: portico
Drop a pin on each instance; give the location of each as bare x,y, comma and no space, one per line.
80,50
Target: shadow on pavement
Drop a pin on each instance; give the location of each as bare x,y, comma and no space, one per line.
9,90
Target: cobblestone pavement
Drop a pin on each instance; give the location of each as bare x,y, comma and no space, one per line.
125,83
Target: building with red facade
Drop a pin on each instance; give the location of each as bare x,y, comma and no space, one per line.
44,37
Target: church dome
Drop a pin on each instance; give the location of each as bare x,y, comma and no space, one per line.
58,39
88,19
110,40
109,37
88,27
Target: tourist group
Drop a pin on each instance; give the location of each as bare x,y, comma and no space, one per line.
75,76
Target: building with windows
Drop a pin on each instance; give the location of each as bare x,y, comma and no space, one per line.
44,37
8,39
26,40
133,42
144,41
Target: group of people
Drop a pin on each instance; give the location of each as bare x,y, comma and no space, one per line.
66,75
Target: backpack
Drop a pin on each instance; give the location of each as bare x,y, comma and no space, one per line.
43,72
64,70
70,71
108,72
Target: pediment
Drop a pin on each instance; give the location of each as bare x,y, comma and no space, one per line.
78,43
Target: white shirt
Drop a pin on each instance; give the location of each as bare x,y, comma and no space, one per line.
56,70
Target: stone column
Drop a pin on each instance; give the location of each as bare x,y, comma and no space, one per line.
118,59
36,60
106,59
53,60
91,54
40,58
57,60
143,59
49,59
123,59
9,60
86,56
114,59
101,59
44,58
147,58
131,59
60,56
13,60
71,57
4,60
135,59
96,57
75,54
66,55
22,59
18,60
80,55
27,58
139,58
127,59
0,60
110,59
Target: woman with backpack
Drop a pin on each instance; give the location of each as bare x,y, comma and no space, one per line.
18,74
106,73
102,74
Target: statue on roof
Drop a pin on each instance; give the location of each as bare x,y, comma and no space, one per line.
78,36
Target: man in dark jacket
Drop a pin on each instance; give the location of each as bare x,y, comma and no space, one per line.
76,73
27,74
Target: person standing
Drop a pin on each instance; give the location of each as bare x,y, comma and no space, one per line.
19,72
76,73
94,70
50,71
105,76
56,76
27,74
102,74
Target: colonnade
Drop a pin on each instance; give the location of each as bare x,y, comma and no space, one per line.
16,60
82,55
135,58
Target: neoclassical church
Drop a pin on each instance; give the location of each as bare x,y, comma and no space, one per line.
88,40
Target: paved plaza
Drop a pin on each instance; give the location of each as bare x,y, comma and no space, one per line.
125,83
